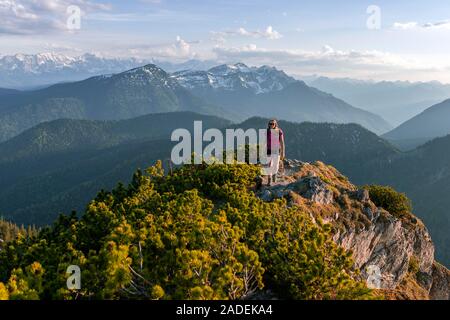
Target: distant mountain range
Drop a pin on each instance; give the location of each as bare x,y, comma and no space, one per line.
37,70
25,71
432,123
129,94
395,101
234,78
268,92
234,92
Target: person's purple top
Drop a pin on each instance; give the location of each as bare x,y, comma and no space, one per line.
274,137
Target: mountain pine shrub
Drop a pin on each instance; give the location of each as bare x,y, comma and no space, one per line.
389,199
197,233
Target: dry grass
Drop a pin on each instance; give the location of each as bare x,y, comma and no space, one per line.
407,290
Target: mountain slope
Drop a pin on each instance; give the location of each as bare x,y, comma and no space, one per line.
432,123
268,92
197,232
73,179
181,225
58,165
395,101
44,175
424,175
379,235
298,102
235,77
129,94
5,92
346,146
45,168
74,135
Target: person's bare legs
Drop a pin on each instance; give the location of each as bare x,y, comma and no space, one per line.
269,171
273,169
276,167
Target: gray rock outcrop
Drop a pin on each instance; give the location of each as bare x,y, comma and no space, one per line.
387,243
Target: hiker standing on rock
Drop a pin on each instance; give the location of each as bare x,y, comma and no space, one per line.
275,150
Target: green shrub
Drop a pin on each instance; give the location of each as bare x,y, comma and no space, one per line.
197,233
4,294
387,198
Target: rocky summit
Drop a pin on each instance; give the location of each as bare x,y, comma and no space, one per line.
399,246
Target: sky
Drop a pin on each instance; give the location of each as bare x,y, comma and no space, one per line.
379,40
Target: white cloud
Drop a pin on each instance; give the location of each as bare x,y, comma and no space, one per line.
326,56
38,16
416,26
179,50
268,33
331,62
406,25
182,47
437,25
56,47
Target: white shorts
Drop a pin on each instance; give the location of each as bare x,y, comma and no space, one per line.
273,166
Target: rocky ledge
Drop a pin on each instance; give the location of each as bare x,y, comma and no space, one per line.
398,249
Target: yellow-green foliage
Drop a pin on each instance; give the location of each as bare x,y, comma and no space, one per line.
26,285
387,198
198,233
4,294
10,231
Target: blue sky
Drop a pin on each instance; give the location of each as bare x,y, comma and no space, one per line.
302,37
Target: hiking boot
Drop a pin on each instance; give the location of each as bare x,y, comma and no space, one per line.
274,178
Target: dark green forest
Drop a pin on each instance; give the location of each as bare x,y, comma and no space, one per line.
59,166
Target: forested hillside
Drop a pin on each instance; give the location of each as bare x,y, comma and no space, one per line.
198,233
130,94
10,231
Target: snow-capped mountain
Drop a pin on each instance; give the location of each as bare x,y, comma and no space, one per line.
136,92
235,77
265,91
142,76
234,91
24,70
